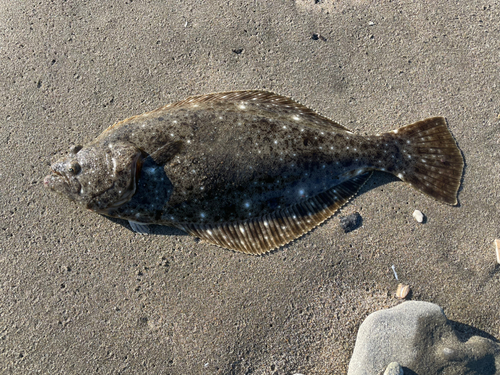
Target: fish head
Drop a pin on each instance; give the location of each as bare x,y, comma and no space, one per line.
99,176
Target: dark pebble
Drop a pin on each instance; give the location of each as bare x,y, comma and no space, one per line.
351,222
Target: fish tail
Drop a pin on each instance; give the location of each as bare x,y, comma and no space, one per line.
430,159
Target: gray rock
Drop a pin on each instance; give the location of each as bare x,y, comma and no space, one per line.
394,368
420,338
350,222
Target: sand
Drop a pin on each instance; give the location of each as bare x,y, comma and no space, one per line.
83,294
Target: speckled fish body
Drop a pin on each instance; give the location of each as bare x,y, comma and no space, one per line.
247,170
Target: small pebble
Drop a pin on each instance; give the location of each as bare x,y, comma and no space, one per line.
351,222
497,246
419,216
449,354
394,368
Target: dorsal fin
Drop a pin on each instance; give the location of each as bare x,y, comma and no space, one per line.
265,233
266,99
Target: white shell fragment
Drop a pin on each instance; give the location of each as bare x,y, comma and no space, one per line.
497,248
418,215
402,291
394,270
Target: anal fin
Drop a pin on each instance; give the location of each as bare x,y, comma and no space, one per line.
140,228
262,234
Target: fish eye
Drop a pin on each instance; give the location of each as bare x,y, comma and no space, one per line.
74,168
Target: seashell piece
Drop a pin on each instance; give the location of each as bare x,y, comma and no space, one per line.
402,291
497,246
418,215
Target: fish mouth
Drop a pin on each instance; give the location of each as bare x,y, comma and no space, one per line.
59,174
48,181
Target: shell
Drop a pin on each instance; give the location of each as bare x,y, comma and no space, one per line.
402,291
497,248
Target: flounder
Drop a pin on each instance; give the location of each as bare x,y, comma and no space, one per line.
247,170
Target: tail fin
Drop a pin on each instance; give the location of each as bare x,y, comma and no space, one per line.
433,162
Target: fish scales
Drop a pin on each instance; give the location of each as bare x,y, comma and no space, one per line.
247,170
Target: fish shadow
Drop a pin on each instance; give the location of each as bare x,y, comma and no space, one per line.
377,180
162,230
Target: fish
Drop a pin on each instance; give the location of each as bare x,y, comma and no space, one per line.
249,170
